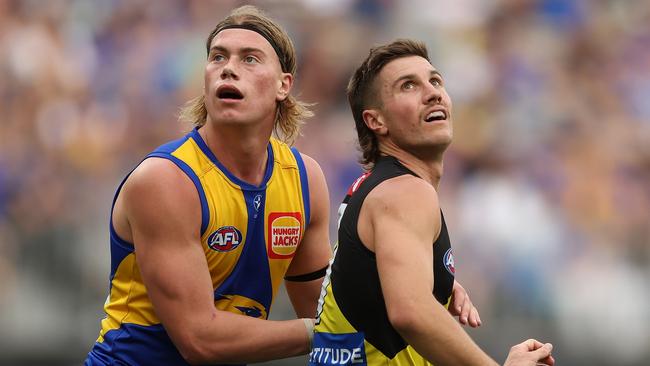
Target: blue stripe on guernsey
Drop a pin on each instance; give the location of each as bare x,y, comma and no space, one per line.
119,247
304,183
251,277
119,250
245,186
171,146
127,344
205,212
337,349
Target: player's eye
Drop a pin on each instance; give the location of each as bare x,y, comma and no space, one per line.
436,81
408,85
250,59
217,57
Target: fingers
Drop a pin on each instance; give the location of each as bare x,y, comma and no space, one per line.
469,314
474,318
544,354
550,361
466,308
531,344
544,351
457,299
529,353
462,306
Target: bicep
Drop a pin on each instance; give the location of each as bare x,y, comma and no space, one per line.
164,213
404,262
403,228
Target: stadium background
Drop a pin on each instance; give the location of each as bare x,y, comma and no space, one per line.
546,187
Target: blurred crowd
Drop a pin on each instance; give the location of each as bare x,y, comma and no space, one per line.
546,187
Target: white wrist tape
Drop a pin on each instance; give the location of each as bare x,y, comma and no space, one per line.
309,325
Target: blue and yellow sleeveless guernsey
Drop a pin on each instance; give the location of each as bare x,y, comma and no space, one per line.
249,235
352,326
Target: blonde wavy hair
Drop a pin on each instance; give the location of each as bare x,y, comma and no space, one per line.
290,112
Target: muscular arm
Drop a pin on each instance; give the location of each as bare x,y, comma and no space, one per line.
160,205
399,221
314,251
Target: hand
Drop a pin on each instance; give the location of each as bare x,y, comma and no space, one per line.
461,306
530,353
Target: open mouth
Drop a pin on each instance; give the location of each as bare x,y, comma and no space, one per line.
436,116
227,92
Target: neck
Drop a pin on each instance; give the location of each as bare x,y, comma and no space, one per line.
240,150
429,167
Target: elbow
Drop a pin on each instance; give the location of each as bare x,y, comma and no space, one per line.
196,352
193,358
200,345
404,318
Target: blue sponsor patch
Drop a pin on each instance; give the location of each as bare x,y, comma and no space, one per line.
337,349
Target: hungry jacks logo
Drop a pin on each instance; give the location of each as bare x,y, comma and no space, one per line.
284,233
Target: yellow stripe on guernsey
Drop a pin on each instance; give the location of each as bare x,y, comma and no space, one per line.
333,325
249,235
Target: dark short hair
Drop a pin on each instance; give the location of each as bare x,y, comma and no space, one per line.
362,92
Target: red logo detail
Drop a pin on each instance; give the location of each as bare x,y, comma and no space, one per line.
353,188
225,239
448,261
284,234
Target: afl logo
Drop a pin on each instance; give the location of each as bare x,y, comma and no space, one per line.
225,239
448,261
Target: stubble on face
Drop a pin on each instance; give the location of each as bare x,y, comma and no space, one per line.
407,95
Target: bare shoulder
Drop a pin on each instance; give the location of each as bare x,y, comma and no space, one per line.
403,193
159,192
312,166
156,176
400,207
318,192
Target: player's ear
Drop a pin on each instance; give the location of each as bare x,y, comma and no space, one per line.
375,121
284,86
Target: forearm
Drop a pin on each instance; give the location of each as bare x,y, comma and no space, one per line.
304,296
440,339
231,338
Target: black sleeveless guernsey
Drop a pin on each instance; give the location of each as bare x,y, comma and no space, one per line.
352,326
